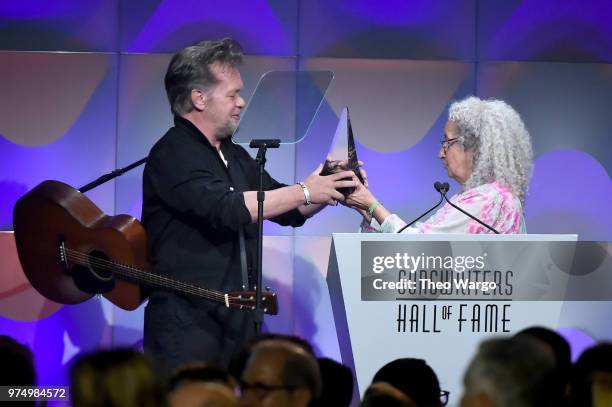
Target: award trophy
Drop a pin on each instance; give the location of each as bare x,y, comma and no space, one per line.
343,150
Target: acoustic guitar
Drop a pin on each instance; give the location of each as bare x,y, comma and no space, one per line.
70,250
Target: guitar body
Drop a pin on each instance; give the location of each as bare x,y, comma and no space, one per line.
53,219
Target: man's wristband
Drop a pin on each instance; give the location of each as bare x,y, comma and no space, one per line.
373,207
306,193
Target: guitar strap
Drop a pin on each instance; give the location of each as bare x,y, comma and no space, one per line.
243,259
238,179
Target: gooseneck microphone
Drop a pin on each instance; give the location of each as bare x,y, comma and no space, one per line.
443,188
437,186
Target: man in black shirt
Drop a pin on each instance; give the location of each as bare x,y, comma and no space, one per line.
199,190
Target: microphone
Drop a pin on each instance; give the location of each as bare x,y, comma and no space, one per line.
437,186
443,189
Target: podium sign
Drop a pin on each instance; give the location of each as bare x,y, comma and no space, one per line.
436,297
485,270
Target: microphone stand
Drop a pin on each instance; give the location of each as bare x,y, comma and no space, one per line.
429,210
263,145
444,189
111,175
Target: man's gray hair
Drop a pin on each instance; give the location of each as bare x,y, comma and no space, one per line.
514,372
190,69
494,131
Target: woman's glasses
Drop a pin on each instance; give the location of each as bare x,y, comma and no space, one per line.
447,143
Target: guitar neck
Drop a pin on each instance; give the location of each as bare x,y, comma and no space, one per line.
237,299
142,277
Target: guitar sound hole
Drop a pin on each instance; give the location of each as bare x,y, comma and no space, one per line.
100,266
97,278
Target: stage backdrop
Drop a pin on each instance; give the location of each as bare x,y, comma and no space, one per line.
81,93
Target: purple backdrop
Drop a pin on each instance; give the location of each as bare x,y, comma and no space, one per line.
82,93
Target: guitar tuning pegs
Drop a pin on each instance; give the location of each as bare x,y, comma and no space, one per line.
267,288
265,310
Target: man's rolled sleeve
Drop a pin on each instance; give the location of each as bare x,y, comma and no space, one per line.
293,217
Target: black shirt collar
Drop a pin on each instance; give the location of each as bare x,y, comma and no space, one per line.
188,126
193,131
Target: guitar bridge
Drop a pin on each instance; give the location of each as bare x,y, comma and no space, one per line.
63,257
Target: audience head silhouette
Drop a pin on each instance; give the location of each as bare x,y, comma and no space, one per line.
509,372
115,378
337,382
279,373
199,384
413,377
382,394
17,367
591,378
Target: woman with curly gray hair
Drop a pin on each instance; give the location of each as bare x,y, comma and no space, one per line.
487,149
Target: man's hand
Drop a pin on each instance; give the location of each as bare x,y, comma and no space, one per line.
344,165
323,189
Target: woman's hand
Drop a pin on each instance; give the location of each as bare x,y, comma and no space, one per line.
361,198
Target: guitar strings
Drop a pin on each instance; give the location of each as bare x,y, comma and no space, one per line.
152,278
137,274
